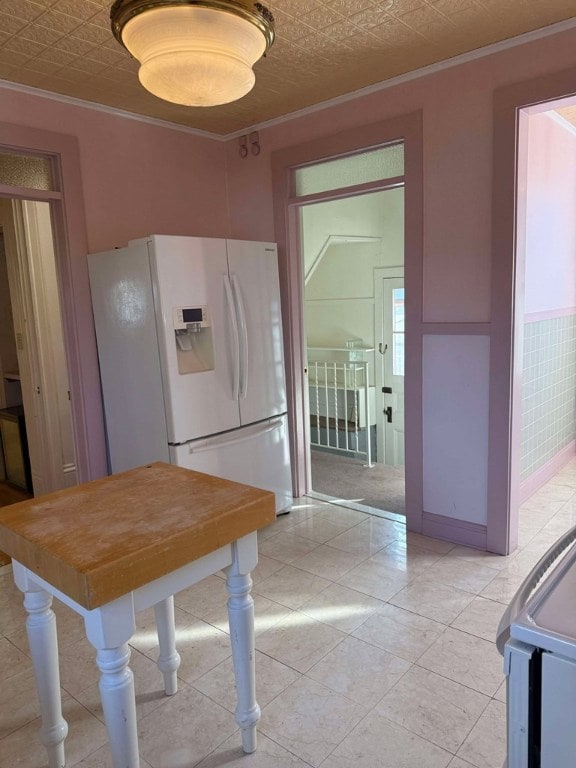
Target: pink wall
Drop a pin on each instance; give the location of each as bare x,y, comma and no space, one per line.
457,107
137,178
122,179
550,280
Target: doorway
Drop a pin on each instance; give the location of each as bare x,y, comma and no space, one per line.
353,264
544,434
33,367
507,324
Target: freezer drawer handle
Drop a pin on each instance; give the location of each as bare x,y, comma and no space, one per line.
210,445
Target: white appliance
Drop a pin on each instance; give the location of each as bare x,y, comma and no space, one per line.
189,336
537,637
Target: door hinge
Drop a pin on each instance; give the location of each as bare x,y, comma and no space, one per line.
388,413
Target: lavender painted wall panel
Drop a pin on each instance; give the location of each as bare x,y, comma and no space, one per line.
455,404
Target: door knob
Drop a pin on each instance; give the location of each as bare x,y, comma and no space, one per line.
388,413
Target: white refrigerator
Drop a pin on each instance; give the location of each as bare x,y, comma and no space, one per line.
189,337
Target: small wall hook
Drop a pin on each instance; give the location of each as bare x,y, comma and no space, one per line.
243,147
255,143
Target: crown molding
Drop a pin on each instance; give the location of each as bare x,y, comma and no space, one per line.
114,111
463,58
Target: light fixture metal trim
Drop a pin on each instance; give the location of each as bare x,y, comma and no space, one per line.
256,13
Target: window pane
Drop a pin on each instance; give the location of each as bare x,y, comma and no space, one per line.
382,163
398,331
25,171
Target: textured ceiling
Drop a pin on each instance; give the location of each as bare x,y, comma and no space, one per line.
323,49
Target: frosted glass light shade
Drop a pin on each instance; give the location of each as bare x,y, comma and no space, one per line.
199,57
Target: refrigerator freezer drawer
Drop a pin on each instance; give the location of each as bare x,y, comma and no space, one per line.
256,455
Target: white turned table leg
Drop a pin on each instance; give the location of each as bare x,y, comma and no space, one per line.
118,702
43,641
169,658
241,619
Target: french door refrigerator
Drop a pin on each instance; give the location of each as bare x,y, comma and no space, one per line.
189,338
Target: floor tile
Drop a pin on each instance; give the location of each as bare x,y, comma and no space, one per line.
359,671
400,632
185,730
146,637
286,547
500,694
459,763
503,588
23,749
485,747
480,618
299,641
272,678
470,577
310,719
433,600
372,579
480,557
466,659
345,514
426,542
368,537
407,557
437,709
341,607
328,562
205,600
103,759
12,660
291,586
268,755
321,529
378,743
265,568
18,702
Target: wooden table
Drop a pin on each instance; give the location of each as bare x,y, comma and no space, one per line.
116,546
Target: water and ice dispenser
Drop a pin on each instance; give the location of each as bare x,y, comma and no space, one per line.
193,334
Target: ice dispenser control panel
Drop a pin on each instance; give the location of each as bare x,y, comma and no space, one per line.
190,319
193,336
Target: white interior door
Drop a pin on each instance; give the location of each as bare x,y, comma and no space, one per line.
389,313
40,343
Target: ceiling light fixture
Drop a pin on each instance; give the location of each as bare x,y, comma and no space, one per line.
194,52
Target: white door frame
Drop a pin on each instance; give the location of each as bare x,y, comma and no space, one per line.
381,274
40,343
70,240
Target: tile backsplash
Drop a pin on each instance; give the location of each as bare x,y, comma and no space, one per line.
548,391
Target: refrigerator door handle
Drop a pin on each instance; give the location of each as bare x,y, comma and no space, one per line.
224,440
236,339
243,336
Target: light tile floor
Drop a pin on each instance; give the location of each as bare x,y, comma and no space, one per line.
375,649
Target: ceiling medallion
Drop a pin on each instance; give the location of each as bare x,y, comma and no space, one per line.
199,53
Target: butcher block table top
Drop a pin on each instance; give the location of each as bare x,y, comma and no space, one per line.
100,540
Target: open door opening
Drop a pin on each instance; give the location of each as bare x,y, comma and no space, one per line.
37,445
544,415
353,257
